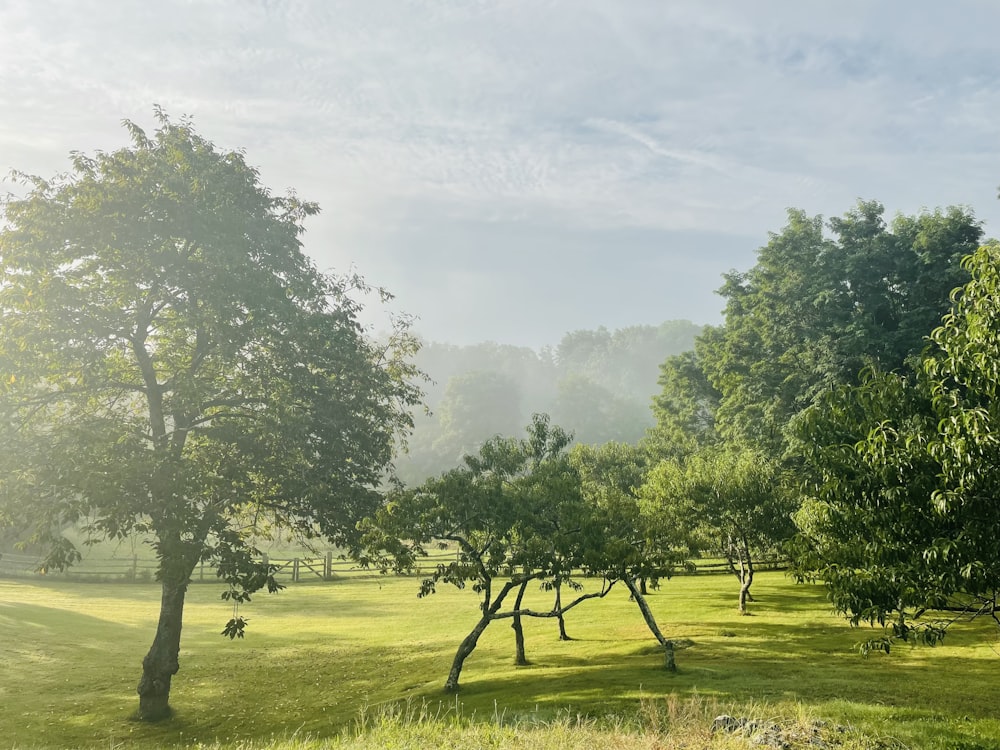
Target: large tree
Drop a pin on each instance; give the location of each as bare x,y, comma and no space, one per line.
595,414
173,365
902,520
623,361
821,304
476,406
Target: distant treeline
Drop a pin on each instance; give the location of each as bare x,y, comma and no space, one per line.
598,384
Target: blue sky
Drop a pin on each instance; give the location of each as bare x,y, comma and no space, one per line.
515,169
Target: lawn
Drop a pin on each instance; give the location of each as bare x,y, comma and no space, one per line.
319,656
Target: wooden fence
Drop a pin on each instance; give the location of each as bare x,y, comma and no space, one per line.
328,567
141,570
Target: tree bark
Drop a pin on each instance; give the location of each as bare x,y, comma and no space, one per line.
519,657
161,663
559,610
468,644
746,579
647,615
466,647
745,596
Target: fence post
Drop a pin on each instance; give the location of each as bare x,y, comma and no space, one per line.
328,567
295,570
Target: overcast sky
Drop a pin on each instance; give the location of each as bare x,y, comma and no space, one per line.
514,169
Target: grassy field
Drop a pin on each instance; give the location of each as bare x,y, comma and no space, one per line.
322,659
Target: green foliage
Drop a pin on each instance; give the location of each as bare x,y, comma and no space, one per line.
172,364
902,523
731,503
865,519
515,512
637,541
814,311
776,347
519,512
597,415
724,496
624,361
475,407
170,356
500,508
525,507
686,405
482,507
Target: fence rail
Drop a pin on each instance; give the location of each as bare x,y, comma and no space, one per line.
141,570
329,567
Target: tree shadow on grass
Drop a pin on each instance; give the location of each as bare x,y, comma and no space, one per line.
57,626
771,662
59,668
768,597
901,699
228,691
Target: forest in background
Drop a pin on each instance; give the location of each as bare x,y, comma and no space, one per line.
597,384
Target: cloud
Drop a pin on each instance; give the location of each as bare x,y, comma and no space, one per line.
534,121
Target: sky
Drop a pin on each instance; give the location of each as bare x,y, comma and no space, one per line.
515,169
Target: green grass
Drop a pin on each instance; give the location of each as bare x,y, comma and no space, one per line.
319,656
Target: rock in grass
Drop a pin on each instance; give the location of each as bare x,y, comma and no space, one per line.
727,723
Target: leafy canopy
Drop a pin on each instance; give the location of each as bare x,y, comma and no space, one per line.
824,301
172,364
902,523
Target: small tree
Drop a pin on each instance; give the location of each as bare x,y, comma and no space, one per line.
517,514
172,365
507,509
733,502
637,546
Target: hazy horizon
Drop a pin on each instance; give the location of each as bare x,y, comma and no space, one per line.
515,170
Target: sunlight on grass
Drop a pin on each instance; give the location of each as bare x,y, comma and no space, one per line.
317,655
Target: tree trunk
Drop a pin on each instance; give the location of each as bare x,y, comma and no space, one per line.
161,663
559,613
745,595
468,645
746,579
647,615
519,657
642,586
